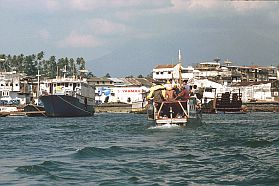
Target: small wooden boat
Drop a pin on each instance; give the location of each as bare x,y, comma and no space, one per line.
34,110
4,114
175,112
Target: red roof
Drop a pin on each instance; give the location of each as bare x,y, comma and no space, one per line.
165,66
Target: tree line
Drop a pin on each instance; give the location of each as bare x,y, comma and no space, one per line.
49,68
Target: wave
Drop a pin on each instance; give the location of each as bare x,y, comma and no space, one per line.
91,152
44,168
258,143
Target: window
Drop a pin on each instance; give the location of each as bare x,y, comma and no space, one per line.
5,93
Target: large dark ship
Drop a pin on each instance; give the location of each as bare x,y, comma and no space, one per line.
68,97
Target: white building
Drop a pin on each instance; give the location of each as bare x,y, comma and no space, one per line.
124,90
121,94
254,91
11,91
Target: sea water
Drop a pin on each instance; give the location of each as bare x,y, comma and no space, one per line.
127,149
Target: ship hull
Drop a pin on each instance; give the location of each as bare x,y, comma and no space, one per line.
65,106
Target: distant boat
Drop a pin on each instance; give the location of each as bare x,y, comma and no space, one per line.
5,110
10,110
227,102
68,97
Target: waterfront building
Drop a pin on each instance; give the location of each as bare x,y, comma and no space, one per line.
256,91
121,90
14,89
275,90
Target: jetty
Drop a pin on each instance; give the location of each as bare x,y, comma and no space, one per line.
262,106
29,114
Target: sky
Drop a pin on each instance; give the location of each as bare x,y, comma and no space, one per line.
131,37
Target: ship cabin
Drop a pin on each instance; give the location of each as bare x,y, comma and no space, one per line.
67,86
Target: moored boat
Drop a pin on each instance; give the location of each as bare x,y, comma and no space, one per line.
68,97
32,110
227,103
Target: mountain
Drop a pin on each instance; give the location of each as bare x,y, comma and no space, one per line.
140,57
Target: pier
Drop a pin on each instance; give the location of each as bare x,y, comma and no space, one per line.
262,106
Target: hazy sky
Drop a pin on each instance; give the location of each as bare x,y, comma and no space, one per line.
130,37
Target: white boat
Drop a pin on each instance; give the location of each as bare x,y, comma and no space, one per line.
9,110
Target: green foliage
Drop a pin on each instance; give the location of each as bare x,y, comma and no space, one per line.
108,75
49,68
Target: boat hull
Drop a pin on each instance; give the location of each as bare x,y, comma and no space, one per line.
65,106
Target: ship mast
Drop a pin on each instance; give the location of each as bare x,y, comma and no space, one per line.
38,87
180,67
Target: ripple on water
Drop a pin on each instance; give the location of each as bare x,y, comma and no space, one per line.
123,149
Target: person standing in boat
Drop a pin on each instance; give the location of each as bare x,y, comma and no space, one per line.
157,92
185,84
183,96
170,93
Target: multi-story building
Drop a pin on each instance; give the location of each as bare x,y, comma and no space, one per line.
14,89
124,90
226,73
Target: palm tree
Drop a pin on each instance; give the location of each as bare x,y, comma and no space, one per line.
108,75
90,75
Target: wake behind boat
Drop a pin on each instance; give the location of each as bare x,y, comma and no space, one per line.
68,97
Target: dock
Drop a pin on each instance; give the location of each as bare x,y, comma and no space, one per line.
29,114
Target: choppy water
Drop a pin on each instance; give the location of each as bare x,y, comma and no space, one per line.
125,149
